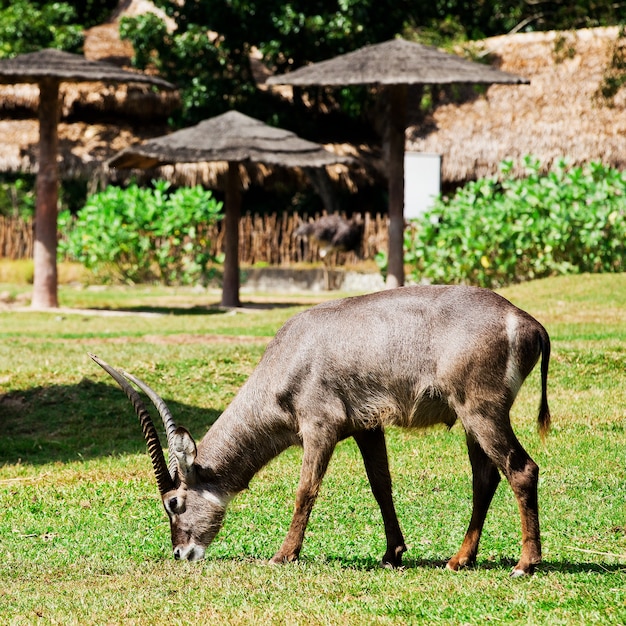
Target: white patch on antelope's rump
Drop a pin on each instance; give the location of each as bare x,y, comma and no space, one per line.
514,377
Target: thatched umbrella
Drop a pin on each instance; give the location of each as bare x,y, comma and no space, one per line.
49,68
236,139
394,65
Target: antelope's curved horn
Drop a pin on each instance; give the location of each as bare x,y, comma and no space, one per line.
166,416
163,476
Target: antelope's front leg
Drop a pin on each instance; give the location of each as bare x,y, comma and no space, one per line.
374,451
314,464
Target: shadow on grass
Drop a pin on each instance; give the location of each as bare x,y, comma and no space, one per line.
573,567
62,423
370,564
161,310
211,309
506,565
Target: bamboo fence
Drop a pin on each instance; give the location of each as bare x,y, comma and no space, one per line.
264,239
16,238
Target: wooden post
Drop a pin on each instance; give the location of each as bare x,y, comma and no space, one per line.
45,290
232,204
395,155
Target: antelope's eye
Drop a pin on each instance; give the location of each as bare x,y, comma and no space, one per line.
175,505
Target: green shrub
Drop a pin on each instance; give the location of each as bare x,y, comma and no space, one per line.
29,26
142,235
17,196
496,232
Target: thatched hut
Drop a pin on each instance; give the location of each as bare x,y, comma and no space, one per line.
560,114
96,121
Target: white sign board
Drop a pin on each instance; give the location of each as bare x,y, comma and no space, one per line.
422,182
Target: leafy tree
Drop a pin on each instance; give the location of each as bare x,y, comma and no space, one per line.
211,76
91,12
17,195
475,20
29,25
26,27
208,54
560,15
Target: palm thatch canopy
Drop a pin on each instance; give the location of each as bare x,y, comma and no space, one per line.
394,65
32,67
396,62
363,173
136,102
232,137
561,114
236,139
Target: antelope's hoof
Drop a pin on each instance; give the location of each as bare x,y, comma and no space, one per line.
393,560
526,566
457,563
281,559
519,572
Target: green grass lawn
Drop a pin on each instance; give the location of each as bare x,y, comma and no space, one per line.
84,538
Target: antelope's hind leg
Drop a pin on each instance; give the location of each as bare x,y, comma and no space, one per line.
485,480
374,451
498,442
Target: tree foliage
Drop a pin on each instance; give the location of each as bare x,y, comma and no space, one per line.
25,27
29,25
208,53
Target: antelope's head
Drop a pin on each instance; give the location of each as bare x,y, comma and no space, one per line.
194,506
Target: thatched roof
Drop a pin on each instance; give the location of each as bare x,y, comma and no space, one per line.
124,93
212,174
32,67
200,155
103,43
395,65
83,147
129,101
231,137
395,62
134,102
557,115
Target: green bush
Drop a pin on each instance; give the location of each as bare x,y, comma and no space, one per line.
29,26
17,196
496,232
142,235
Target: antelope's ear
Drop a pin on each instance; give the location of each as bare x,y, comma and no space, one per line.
184,449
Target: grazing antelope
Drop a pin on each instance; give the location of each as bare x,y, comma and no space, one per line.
412,357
